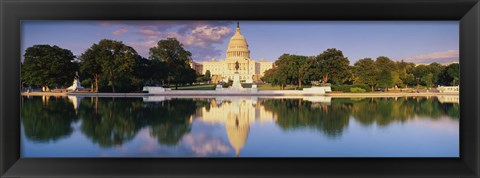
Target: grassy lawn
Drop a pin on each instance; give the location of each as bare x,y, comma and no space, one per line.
197,87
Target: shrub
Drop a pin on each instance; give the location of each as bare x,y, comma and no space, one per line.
346,88
343,88
357,90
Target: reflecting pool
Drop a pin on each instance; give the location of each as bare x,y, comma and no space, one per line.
158,126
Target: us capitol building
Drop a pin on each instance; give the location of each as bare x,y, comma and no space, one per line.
223,70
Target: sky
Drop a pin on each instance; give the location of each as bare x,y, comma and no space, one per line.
412,41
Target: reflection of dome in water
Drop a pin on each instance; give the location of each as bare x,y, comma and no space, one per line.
237,131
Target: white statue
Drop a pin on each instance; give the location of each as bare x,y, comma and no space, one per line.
76,83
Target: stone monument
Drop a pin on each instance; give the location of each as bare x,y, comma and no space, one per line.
236,78
76,84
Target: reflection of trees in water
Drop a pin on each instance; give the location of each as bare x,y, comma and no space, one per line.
451,109
47,119
118,120
332,118
169,120
384,111
109,121
297,114
114,121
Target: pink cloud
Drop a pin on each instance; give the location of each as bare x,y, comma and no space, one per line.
204,35
440,57
149,32
120,31
201,36
104,23
445,124
150,143
201,145
143,47
197,37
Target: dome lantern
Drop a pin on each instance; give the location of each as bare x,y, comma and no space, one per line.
238,46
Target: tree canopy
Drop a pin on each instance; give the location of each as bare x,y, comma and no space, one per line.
112,61
48,66
450,75
291,67
177,60
366,72
328,66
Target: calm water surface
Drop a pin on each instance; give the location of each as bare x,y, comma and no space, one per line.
240,126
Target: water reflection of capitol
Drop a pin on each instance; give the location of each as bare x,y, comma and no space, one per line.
237,114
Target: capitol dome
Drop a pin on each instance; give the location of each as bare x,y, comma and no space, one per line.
238,46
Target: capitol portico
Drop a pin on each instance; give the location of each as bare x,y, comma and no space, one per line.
250,71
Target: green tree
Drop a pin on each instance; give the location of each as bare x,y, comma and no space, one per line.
330,65
427,80
113,60
387,76
187,76
268,76
384,79
365,72
435,69
119,62
291,66
420,73
143,74
208,76
404,70
275,77
204,78
159,71
48,66
90,65
450,75
384,62
176,58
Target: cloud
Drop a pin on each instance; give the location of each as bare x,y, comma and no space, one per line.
104,23
143,47
120,31
205,35
149,32
197,144
202,145
445,124
439,57
198,37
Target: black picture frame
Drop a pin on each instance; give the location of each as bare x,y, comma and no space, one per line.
14,11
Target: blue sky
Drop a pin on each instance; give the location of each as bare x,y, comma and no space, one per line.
413,41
